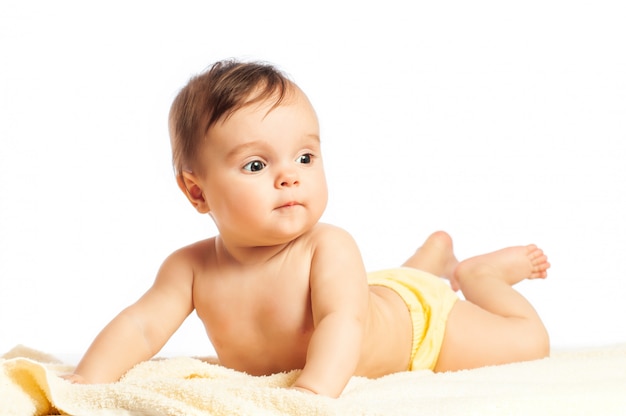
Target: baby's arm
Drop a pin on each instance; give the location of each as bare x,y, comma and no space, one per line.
339,298
140,330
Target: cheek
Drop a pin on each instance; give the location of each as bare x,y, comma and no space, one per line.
233,213
241,200
321,192
321,183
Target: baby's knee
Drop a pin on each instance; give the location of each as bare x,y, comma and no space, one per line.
536,343
543,347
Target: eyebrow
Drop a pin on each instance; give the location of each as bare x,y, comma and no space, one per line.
314,137
242,148
259,143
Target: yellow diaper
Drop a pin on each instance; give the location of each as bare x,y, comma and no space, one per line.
429,300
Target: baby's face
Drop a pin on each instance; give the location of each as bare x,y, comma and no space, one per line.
264,179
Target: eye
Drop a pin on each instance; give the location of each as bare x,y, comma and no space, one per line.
254,166
305,158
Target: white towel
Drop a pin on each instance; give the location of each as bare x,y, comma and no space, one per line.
589,381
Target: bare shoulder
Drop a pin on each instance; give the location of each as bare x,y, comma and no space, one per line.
330,234
170,298
184,263
334,247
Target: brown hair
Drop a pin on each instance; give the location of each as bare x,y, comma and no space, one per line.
214,94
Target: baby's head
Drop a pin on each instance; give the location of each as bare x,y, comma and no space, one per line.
214,95
246,149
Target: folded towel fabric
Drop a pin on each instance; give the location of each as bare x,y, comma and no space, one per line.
578,382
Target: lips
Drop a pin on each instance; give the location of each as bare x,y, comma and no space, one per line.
288,204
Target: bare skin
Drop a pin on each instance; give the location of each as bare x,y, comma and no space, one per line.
258,316
495,324
248,338
276,290
436,256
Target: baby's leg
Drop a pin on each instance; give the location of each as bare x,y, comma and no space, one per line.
496,324
436,256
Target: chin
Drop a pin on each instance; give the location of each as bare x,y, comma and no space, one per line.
286,235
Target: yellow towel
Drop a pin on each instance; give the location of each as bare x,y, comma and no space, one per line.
578,382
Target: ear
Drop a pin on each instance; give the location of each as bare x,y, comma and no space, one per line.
190,185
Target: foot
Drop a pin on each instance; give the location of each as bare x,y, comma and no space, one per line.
511,265
436,256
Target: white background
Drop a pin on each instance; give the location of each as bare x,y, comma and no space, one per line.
500,122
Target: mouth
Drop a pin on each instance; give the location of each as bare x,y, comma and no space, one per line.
288,205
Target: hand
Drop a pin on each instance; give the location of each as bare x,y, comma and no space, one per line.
75,379
302,389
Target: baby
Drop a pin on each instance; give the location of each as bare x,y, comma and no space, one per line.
277,290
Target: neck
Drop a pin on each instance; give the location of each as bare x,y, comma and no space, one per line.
247,256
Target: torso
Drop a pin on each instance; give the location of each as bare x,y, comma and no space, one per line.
259,317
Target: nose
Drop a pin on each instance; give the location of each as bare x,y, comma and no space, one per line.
287,177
